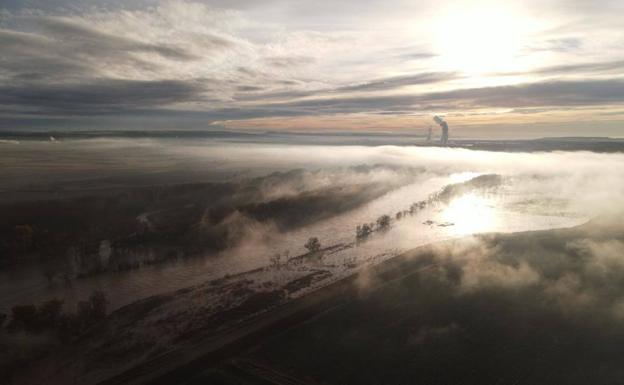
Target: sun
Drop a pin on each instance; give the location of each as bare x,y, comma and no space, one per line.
480,40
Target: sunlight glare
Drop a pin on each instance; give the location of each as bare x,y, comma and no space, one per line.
482,39
469,214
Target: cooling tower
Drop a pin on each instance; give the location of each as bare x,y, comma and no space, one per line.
445,130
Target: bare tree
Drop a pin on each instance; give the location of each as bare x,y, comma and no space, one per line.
313,245
363,231
383,222
275,260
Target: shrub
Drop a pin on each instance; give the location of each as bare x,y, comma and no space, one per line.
313,245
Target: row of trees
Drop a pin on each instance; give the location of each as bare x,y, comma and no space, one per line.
413,209
365,230
313,245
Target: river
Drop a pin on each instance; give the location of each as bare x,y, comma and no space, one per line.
509,208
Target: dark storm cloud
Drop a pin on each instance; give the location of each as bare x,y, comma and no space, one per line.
98,97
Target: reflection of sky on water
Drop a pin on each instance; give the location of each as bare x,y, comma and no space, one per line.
504,209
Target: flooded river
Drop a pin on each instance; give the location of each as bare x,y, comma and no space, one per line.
508,208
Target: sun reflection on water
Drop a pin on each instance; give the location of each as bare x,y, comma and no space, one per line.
471,213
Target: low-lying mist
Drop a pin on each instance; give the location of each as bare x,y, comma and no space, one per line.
537,307
592,178
252,193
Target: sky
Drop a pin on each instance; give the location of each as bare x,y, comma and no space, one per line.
494,68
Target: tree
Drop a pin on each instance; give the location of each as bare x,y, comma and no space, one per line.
275,259
383,222
313,245
363,231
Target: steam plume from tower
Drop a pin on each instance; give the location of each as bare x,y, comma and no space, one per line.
445,129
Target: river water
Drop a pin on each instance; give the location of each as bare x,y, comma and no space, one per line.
509,208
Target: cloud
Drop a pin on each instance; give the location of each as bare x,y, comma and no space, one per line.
289,61
569,44
91,41
240,60
391,83
600,67
108,96
555,93
380,84
61,49
416,55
